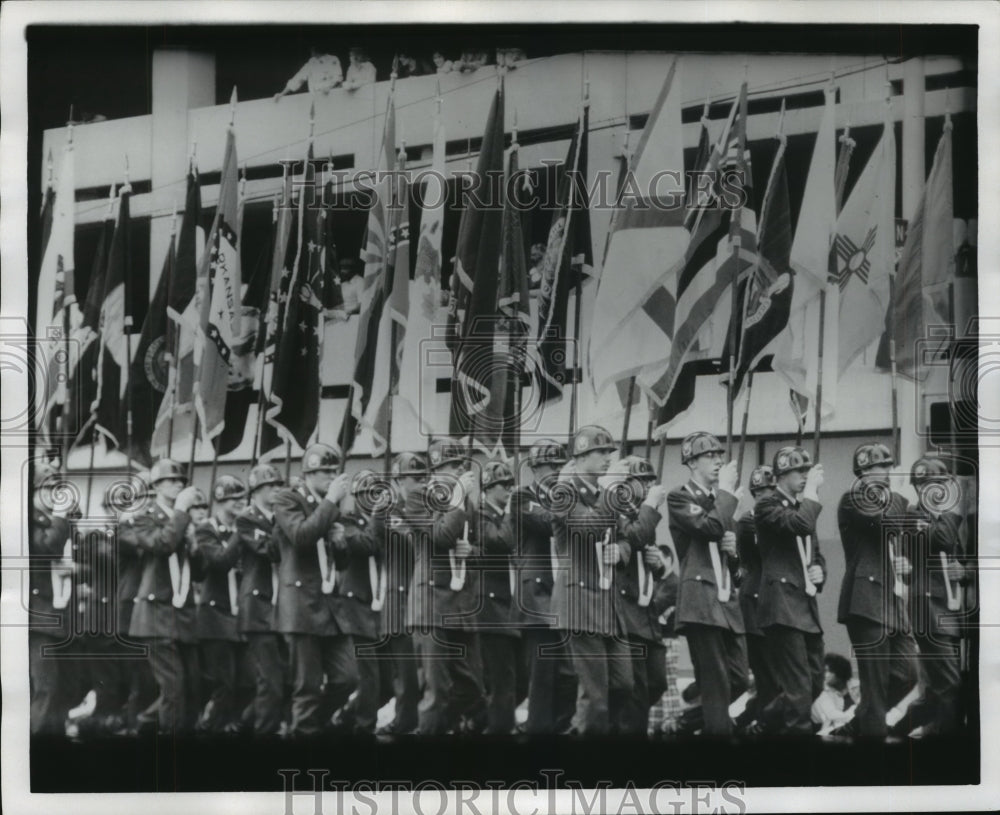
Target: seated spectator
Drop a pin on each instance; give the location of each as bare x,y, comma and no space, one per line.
361,71
442,65
410,66
509,58
321,73
834,706
472,60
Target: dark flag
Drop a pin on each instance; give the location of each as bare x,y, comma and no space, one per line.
567,253
473,302
149,371
113,365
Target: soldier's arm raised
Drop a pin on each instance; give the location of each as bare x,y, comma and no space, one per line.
696,521
303,530
161,539
772,513
216,554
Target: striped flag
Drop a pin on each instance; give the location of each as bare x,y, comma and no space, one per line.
632,328
220,312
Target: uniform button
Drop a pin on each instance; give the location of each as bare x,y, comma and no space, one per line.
783,580
871,579
151,598
255,592
623,591
401,589
212,603
581,583
538,580
928,594
697,577
135,599
755,595
104,599
298,582
492,594
350,594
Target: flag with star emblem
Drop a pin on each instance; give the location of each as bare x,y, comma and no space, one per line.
384,307
175,418
221,313
864,254
293,409
472,305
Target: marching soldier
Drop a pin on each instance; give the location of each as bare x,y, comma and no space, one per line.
637,499
708,611
761,484
218,550
497,636
551,681
47,623
935,585
444,596
357,554
164,614
583,599
792,573
871,596
304,526
258,594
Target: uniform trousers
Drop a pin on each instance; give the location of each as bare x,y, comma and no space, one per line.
176,669
47,714
452,673
720,667
649,681
499,652
942,679
311,658
551,681
218,661
267,663
885,659
375,687
765,684
603,667
797,661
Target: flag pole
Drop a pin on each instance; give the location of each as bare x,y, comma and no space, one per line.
818,406
211,481
69,297
632,380
730,390
743,428
194,446
288,460
892,370
90,468
259,431
172,359
127,329
578,284
650,421
623,448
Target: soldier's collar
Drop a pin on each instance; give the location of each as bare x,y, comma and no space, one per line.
697,489
487,504
791,498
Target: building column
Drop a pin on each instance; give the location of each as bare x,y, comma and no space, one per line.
182,80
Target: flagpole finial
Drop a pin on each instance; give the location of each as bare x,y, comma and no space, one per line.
232,107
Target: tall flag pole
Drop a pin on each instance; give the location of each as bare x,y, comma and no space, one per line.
270,302
221,312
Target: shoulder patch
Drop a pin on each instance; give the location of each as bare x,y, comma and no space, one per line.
694,509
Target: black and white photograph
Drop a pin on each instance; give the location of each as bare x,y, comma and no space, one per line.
432,408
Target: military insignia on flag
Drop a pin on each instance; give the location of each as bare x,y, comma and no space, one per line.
852,260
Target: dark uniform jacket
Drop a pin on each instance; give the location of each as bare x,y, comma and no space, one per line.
160,535
780,520
129,557
928,580
698,518
300,521
49,536
355,557
219,552
407,520
531,525
94,544
578,601
638,528
497,572
258,558
867,590
432,601
750,568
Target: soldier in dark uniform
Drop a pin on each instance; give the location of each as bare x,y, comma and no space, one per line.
583,599
551,680
444,596
708,611
164,614
497,635
304,526
761,484
218,636
792,573
936,592
637,498
871,596
358,543
48,622
258,594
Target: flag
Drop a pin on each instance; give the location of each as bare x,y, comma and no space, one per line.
768,289
83,381
419,372
58,315
926,268
113,363
175,418
472,306
567,253
220,311
722,248
293,409
630,328
148,373
864,255
384,306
